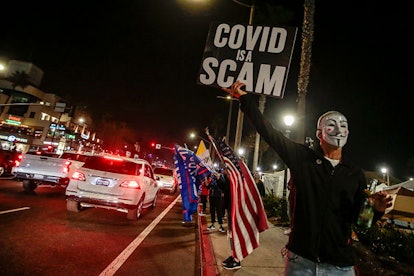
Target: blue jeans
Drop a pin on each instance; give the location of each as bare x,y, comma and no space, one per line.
297,265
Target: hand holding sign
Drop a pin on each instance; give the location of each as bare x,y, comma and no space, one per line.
235,89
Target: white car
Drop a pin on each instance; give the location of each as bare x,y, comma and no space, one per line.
166,178
113,182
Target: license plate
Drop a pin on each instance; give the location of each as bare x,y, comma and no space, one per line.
102,182
38,176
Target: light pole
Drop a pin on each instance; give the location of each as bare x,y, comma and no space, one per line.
231,99
288,120
240,116
386,175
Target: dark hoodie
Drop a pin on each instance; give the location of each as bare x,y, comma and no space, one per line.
327,199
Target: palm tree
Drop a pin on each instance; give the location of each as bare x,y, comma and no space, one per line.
305,64
19,78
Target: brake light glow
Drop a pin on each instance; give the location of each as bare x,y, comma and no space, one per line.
78,176
66,168
130,184
113,158
18,160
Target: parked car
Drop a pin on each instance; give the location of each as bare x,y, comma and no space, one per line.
8,159
113,182
166,178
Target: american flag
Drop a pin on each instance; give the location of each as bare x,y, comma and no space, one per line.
248,217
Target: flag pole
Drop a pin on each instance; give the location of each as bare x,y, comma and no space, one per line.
214,144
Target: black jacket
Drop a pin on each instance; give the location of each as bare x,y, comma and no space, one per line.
327,199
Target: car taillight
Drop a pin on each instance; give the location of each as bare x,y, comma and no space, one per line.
78,176
130,184
18,160
66,168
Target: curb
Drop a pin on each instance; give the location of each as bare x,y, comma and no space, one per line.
206,249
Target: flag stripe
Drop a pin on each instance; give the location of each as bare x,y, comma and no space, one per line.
248,217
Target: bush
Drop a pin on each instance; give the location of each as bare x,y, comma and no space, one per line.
276,207
386,239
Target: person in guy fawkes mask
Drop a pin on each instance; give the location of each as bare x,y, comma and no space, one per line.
327,192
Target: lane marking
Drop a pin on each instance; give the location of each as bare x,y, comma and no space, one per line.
14,210
120,260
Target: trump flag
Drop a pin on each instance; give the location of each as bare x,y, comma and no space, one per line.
190,172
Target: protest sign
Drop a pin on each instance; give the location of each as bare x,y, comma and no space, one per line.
256,55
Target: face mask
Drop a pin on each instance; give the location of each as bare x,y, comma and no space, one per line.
333,128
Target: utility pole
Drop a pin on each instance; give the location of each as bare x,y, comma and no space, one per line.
240,115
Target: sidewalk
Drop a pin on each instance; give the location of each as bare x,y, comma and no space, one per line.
264,260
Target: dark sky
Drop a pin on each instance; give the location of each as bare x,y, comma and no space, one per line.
139,60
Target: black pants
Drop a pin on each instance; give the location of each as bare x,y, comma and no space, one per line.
216,209
203,200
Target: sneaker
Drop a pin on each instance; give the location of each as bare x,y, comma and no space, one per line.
287,232
202,214
211,227
232,265
228,260
221,229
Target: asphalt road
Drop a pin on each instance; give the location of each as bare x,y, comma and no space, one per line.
38,236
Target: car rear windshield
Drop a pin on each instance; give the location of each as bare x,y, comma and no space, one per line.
75,156
113,165
163,171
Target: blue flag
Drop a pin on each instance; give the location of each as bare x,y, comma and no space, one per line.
190,172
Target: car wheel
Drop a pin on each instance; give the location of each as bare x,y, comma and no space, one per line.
73,205
154,201
29,185
2,170
134,214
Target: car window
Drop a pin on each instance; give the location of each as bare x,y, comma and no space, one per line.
113,165
148,171
74,156
163,171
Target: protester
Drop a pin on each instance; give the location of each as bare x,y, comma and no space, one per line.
328,191
259,184
204,195
224,183
215,204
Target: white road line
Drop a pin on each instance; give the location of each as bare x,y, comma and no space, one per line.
120,260
14,210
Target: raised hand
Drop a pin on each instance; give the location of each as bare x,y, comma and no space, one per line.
235,90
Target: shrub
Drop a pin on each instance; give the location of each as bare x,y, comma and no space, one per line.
276,207
386,239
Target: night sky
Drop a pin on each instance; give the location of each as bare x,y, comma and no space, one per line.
139,61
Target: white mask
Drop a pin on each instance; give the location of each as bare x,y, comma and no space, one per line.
333,128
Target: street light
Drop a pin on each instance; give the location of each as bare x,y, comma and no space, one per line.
231,99
288,120
386,175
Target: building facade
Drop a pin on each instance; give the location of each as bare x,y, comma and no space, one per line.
33,119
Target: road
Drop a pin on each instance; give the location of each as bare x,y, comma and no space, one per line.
38,236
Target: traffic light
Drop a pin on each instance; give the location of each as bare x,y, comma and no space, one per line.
155,145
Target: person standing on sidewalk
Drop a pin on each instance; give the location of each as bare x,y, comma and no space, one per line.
224,183
259,184
204,195
328,192
215,204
